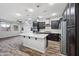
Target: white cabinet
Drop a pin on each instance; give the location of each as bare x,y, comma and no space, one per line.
37,43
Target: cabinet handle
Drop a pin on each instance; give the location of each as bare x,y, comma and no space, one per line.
35,38
29,37
24,36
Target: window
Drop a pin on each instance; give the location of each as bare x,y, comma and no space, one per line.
4,26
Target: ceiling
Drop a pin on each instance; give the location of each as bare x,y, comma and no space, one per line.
8,11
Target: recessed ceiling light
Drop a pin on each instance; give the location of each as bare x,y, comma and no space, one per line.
18,14
29,18
54,14
40,16
31,10
37,20
51,3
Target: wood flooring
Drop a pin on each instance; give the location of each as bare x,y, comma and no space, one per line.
53,49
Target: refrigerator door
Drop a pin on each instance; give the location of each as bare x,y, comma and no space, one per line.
71,41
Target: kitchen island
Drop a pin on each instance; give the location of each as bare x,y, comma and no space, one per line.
35,41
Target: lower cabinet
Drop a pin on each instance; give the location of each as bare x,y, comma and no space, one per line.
53,37
39,44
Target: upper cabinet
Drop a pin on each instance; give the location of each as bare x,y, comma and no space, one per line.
41,25
54,24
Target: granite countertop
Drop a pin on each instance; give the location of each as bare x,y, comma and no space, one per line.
54,31
34,35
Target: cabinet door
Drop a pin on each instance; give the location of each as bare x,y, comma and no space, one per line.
71,41
54,24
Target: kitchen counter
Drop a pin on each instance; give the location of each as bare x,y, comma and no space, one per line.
35,41
34,35
53,31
